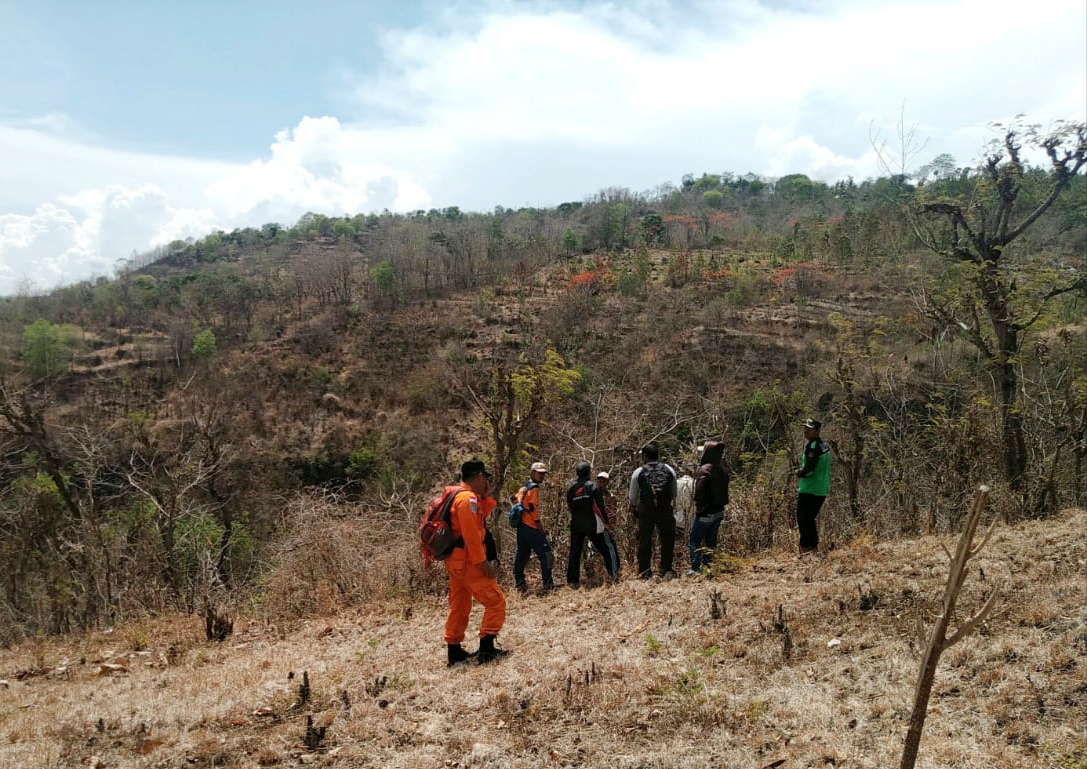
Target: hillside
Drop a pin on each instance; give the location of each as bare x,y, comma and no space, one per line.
634,676
258,417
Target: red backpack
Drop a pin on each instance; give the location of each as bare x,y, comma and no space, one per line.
436,538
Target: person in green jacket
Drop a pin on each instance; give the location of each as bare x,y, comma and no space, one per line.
814,485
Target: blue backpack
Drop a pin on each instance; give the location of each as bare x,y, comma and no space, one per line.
514,515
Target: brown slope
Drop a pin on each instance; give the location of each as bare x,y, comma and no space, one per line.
631,676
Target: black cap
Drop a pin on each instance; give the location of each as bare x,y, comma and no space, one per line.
472,468
813,424
583,469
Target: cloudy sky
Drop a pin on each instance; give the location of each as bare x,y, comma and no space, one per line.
130,123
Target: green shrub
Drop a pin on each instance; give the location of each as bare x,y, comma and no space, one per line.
362,463
631,284
204,344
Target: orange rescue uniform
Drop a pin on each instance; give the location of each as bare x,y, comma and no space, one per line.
467,579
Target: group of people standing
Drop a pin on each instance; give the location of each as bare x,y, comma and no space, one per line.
591,508
651,500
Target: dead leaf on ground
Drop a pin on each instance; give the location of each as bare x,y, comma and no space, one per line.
147,746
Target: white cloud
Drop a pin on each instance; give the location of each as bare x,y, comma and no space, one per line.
318,166
803,154
39,167
700,93
44,247
86,237
523,104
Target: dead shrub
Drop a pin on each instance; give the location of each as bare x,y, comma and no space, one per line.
760,517
338,554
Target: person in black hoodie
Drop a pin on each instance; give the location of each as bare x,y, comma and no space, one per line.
710,499
588,518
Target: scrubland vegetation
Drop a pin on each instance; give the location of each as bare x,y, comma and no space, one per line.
810,663
253,422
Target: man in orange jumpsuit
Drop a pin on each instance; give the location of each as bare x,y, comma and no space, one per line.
471,574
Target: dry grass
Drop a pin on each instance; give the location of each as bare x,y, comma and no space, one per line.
635,676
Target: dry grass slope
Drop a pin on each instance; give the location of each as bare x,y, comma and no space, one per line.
636,676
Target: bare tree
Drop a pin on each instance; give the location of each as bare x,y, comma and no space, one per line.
854,374
22,415
173,480
60,521
513,400
975,225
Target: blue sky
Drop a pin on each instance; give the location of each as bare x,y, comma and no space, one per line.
188,76
128,124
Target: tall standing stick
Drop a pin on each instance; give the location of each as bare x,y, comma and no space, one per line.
938,641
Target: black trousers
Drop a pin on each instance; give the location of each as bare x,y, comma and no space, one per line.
663,521
807,510
602,542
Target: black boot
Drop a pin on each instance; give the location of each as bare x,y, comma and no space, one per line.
456,653
487,651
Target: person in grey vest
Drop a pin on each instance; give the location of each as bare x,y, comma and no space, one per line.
652,498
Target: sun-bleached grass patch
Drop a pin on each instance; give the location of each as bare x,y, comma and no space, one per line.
807,661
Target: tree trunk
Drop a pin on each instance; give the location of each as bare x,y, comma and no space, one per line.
1015,445
922,693
1007,379
224,563
169,562
853,478
1079,452
1012,437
